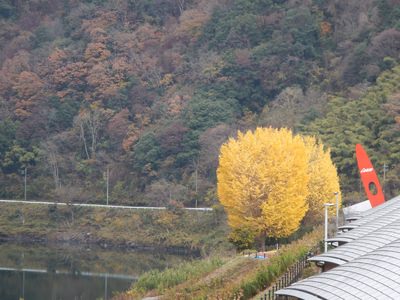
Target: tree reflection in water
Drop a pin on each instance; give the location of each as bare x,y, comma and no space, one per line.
37,272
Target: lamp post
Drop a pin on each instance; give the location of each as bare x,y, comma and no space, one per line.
337,210
326,205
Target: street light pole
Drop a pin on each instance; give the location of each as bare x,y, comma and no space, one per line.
326,205
337,210
26,169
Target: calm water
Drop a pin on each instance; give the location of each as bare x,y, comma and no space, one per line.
37,272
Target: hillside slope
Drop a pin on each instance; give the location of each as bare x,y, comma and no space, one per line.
151,88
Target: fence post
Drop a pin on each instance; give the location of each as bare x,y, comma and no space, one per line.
298,270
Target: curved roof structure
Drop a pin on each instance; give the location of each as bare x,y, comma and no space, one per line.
368,228
368,264
379,217
360,246
372,276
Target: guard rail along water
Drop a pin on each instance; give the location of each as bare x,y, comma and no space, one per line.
101,205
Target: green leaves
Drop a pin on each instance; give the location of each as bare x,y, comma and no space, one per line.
13,156
7,135
6,9
146,153
206,111
364,121
18,158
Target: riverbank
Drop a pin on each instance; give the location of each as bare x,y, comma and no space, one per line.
169,230
226,277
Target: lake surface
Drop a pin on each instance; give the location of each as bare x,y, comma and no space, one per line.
38,272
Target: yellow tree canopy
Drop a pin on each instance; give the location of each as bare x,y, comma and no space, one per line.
263,181
324,180
269,178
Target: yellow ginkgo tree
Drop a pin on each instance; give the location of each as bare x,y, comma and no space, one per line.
324,180
264,181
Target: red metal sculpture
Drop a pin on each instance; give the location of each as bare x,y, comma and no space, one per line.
369,178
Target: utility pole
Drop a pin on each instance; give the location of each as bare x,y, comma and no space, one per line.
196,185
25,173
106,287
107,181
385,168
23,277
196,166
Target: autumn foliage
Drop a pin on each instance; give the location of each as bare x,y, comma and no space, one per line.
151,89
268,180
323,180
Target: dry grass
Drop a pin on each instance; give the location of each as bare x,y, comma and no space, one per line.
240,277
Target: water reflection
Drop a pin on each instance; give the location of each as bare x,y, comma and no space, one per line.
28,285
37,272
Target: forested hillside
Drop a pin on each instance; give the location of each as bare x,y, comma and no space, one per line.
150,89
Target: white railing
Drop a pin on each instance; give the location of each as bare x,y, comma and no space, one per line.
102,205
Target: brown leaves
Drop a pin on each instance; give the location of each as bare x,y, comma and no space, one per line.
325,28
171,138
72,75
96,52
12,68
28,84
28,89
57,56
102,21
147,37
131,137
242,57
386,43
190,24
118,125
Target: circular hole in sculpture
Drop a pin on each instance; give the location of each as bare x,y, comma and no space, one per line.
372,188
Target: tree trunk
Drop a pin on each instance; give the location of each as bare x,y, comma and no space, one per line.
263,237
84,139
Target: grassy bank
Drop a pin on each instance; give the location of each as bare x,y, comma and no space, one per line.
237,277
174,230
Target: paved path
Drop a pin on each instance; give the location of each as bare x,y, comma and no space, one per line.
100,205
